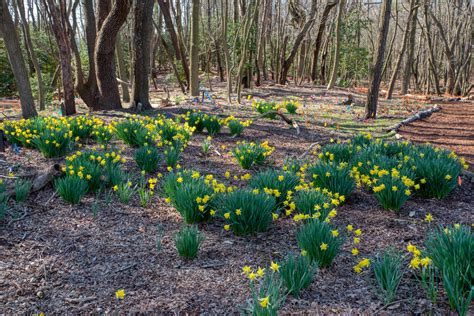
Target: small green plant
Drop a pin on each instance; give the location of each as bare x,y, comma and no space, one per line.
172,155
188,241
246,212
251,154
53,142
235,127
81,127
392,190
264,107
144,196
388,273
268,294
148,158
291,106
133,133
311,202
103,134
319,242
196,119
336,152
297,273
451,252
428,279
71,188
213,125
206,145
276,183
334,177
124,191
22,189
437,171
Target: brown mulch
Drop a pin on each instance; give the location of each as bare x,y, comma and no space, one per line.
452,128
61,259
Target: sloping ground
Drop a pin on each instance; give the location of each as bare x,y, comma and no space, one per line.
451,128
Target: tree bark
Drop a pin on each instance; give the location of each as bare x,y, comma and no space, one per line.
376,71
194,51
122,69
109,97
319,37
12,44
142,33
335,64
299,38
411,50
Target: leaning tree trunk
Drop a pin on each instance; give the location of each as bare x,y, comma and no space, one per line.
12,45
109,95
411,50
299,38
31,53
122,69
319,37
141,51
376,71
393,78
194,51
337,46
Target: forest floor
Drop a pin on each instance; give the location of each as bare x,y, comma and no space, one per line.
56,258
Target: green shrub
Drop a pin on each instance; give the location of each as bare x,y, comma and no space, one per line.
71,188
124,191
334,177
264,107
452,251
246,212
236,127
103,134
213,125
172,155
388,273
392,190
191,198
311,202
196,119
22,189
133,133
53,142
267,295
317,239
81,127
144,196
291,106
297,273
437,171
276,183
337,153
187,242
251,154
148,159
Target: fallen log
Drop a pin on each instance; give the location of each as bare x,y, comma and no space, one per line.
416,117
39,179
284,118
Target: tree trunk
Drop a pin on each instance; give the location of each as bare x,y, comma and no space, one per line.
31,53
376,71
319,37
335,64
122,69
109,97
12,44
432,60
59,25
393,78
411,50
299,38
142,33
194,51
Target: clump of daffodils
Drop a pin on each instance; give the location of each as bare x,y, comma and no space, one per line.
251,154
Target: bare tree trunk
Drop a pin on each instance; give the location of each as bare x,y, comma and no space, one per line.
335,64
299,38
104,56
393,78
142,33
376,71
411,50
31,53
122,69
228,69
319,37
194,51
12,44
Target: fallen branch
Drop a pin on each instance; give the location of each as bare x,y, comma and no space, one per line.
284,118
39,179
416,117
